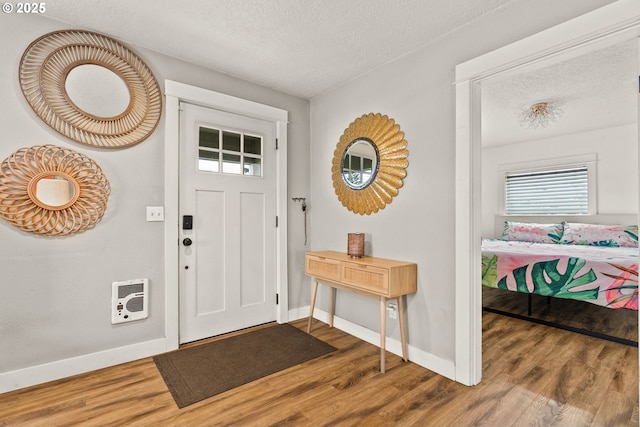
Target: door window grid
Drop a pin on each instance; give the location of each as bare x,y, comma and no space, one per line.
239,153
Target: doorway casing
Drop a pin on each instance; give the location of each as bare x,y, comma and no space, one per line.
609,25
175,93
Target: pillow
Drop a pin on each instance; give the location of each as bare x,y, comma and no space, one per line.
600,235
531,232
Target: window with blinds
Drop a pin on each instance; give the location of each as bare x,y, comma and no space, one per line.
551,192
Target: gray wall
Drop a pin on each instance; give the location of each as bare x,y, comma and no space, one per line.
56,291
417,91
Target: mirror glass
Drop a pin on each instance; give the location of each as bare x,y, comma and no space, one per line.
359,164
97,90
54,191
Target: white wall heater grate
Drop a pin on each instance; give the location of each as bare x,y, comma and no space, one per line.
129,300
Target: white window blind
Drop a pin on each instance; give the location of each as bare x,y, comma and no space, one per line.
552,192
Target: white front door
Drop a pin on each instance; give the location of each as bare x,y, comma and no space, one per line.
227,208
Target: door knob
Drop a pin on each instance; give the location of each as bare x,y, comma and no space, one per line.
187,241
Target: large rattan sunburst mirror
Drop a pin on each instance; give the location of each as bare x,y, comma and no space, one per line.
52,190
51,62
369,163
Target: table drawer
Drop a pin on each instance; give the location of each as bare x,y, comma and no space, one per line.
322,267
366,277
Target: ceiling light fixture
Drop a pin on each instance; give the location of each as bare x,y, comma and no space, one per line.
540,114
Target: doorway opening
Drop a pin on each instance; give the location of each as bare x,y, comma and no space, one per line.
541,182
604,27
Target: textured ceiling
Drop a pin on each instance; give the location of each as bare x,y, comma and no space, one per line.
596,90
307,47
301,47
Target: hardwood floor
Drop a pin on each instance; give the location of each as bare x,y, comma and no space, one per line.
619,323
533,375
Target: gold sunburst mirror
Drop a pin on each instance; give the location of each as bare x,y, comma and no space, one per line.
52,190
90,88
369,163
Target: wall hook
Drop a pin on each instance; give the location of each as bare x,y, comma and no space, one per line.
303,200
304,209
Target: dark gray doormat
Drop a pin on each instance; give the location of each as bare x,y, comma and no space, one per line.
202,371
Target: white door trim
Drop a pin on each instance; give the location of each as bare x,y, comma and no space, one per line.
176,92
608,25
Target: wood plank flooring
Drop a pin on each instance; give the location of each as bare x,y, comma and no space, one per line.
533,375
620,323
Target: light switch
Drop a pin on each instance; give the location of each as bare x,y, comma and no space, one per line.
155,213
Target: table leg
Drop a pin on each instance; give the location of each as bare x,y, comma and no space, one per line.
383,332
313,303
332,306
403,333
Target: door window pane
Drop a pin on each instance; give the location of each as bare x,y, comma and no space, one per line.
252,166
252,144
231,164
231,141
209,138
208,161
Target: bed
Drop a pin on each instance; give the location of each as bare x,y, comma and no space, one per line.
605,276
594,263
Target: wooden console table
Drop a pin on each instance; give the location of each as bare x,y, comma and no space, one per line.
377,277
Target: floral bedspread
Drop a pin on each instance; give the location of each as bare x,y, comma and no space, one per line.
601,275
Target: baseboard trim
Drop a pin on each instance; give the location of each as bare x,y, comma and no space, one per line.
434,363
33,375
298,313
39,374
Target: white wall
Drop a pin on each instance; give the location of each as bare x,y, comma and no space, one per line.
417,91
616,150
56,291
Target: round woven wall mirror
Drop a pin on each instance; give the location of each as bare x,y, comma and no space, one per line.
369,163
90,88
97,91
52,190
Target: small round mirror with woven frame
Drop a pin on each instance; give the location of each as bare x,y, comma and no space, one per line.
52,190
49,61
383,170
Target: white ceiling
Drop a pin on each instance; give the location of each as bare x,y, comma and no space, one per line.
301,47
308,47
596,90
